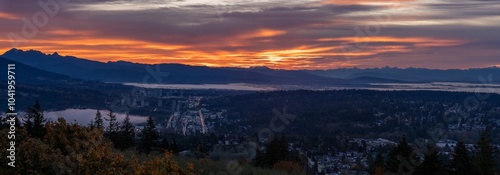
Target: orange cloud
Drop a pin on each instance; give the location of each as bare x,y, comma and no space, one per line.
262,33
8,16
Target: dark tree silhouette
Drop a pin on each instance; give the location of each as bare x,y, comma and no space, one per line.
399,158
126,135
98,121
378,165
462,163
485,158
431,164
276,150
165,146
113,124
149,136
174,147
34,121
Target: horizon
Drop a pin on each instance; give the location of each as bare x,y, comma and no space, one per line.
305,34
383,67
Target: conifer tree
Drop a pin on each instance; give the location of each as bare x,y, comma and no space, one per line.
113,124
149,136
485,159
399,157
174,147
431,164
165,146
34,121
98,121
462,163
378,165
126,134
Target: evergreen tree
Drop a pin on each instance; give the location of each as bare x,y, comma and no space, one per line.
276,150
399,157
431,164
149,136
98,121
113,124
126,136
462,163
91,124
34,121
485,160
378,165
260,159
284,154
165,146
174,147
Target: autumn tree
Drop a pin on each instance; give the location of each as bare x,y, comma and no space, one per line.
70,149
161,165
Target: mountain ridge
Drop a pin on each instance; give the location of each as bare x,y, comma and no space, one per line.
130,72
123,71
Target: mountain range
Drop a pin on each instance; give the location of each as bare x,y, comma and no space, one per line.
68,67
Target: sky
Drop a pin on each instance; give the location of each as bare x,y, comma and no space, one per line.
281,34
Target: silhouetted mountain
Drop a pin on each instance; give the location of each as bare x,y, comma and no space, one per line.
27,75
123,71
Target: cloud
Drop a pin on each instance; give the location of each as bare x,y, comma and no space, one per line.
303,34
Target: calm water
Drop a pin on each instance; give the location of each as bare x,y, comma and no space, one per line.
84,116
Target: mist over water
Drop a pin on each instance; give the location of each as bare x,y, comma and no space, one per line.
436,86
85,116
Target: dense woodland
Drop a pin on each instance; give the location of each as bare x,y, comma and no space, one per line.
59,147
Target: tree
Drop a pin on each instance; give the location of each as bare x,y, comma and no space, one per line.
462,163
399,158
98,121
485,159
113,124
34,121
175,149
149,136
431,164
260,159
70,149
162,165
126,135
378,166
165,146
276,150
289,167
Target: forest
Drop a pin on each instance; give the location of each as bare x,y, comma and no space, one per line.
109,146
